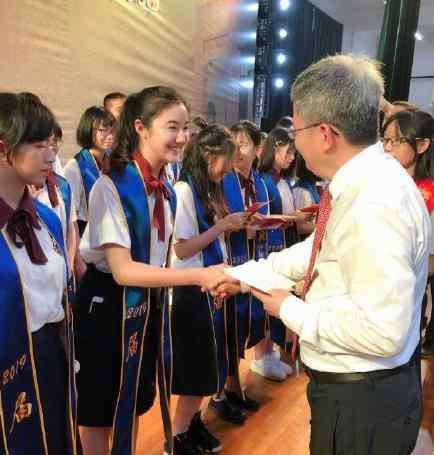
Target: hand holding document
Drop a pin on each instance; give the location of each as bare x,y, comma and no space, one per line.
260,277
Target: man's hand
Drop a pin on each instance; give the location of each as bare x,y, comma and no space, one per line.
273,301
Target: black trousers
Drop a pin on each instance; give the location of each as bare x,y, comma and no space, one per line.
370,417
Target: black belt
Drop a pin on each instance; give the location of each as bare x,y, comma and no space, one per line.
321,377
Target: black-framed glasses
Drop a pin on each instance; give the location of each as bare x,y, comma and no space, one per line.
394,141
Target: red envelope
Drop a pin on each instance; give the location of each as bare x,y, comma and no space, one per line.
311,209
255,207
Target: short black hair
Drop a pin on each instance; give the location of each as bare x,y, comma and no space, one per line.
284,122
113,96
57,131
23,120
93,117
415,125
249,128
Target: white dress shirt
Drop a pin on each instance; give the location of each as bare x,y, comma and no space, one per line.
362,312
107,224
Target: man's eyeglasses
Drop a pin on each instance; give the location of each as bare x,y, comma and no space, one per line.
293,132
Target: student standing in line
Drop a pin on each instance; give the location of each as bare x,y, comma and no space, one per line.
38,401
122,312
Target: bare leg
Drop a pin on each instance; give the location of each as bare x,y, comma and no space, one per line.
186,408
95,440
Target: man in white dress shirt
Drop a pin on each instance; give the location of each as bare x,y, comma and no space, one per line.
359,323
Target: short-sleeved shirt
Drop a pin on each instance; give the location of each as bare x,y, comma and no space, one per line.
73,175
186,227
60,210
288,205
107,225
302,198
43,284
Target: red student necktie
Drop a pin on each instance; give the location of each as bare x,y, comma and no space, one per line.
249,190
157,186
52,189
21,224
320,229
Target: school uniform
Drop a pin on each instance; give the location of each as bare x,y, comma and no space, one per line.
305,194
281,202
57,194
120,329
173,171
200,356
38,400
82,172
246,317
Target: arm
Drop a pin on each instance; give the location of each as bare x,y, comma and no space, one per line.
431,265
186,248
72,174
376,262
72,244
127,272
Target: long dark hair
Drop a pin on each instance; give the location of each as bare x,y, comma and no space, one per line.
145,106
302,173
249,128
276,138
23,120
415,125
213,141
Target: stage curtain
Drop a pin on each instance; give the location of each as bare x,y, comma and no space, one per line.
396,46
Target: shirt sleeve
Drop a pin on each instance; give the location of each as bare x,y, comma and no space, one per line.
185,219
291,262
375,316
107,222
72,174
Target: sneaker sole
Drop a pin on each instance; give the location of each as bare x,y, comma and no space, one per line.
270,378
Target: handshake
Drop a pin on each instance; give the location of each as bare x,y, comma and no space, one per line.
218,283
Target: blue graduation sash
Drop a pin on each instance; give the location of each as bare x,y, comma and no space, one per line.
251,323
66,194
22,427
88,169
213,255
131,189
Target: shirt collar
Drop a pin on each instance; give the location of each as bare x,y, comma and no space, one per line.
351,171
26,204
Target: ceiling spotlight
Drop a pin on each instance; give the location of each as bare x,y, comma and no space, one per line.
279,82
283,33
281,58
418,35
250,59
251,35
252,7
247,83
284,4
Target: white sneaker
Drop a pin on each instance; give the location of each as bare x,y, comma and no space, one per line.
268,368
283,365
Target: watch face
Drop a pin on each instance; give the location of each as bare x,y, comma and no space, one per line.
153,5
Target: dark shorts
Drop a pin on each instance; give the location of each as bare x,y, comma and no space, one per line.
51,371
98,333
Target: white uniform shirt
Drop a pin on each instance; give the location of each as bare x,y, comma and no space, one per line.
107,224
60,210
43,285
362,312
286,196
73,175
186,227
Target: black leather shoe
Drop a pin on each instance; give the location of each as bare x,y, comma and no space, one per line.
227,412
248,404
427,349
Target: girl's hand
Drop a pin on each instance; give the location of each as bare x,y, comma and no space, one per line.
233,222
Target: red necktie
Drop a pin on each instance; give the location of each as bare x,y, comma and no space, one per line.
320,229
157,186
21,224
51,187
249,190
